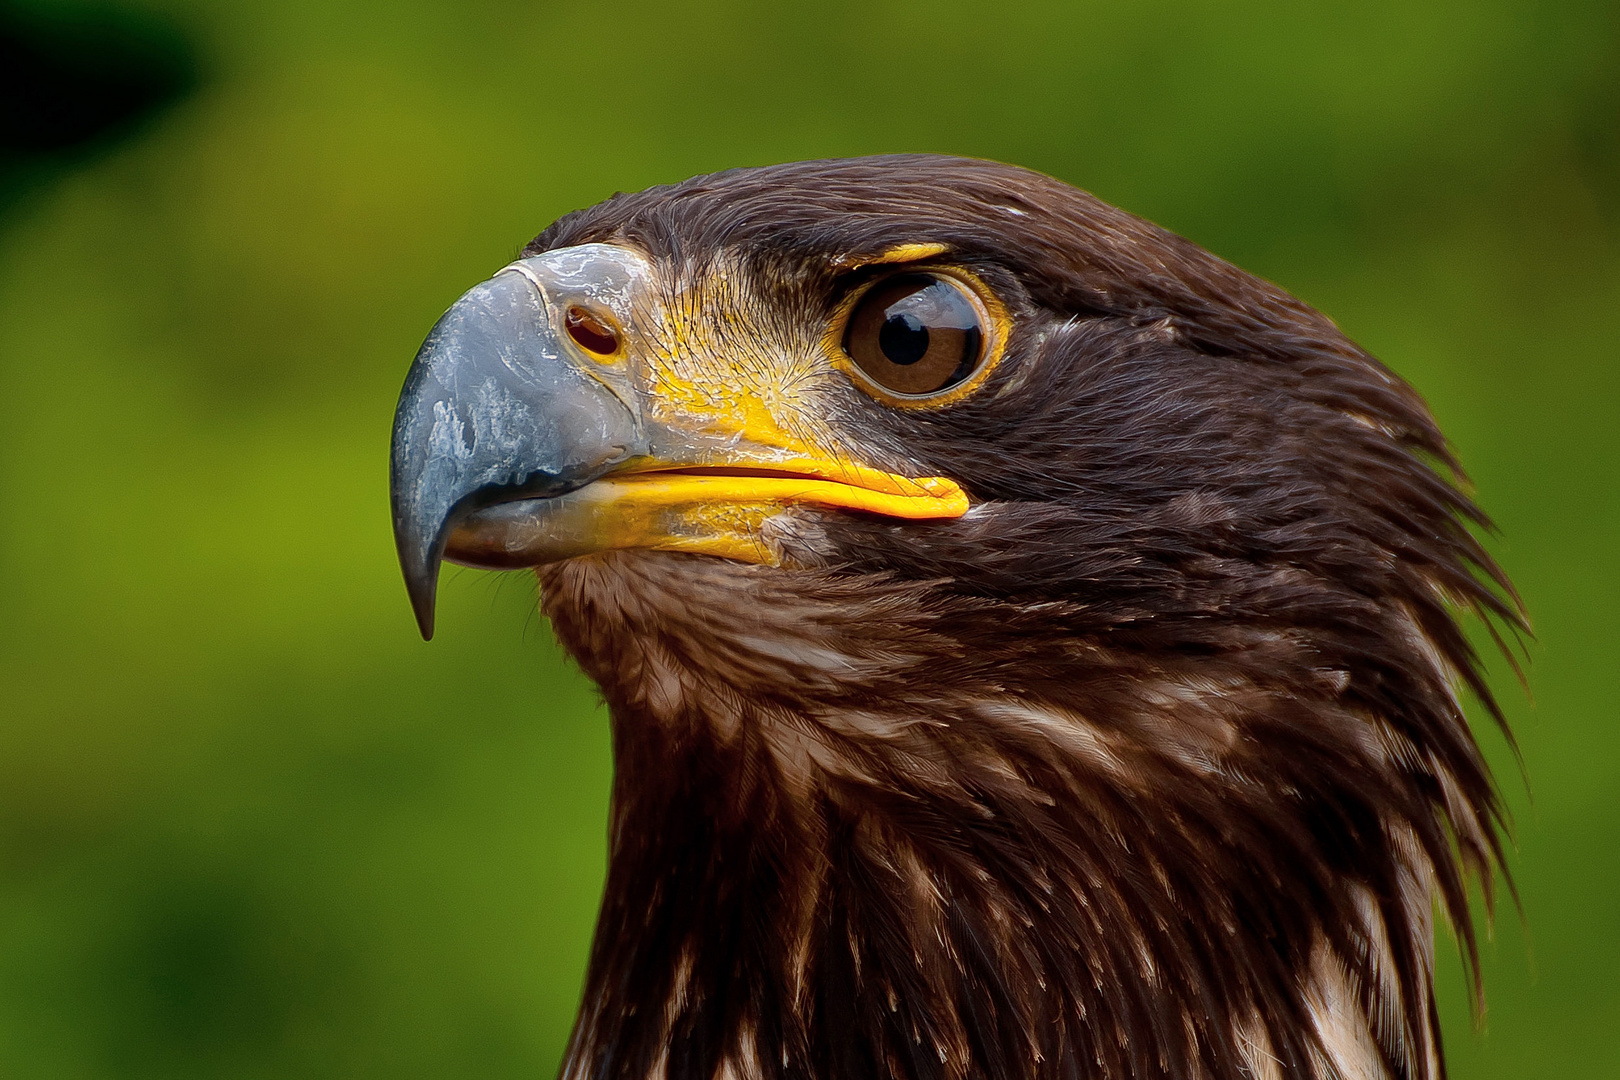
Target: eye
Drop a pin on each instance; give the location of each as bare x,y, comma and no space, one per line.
916,334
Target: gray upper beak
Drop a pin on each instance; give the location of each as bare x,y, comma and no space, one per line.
495,407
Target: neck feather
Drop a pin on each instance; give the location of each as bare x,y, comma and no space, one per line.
845,846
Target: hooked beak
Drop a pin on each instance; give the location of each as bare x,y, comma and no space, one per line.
513,446
494,409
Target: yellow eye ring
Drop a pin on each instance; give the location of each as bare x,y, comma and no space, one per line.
920,336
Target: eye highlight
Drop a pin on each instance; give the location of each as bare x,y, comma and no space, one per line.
916,334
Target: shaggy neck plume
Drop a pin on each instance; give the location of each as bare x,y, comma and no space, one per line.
845,845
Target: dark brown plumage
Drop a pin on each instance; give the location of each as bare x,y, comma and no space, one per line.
1146,766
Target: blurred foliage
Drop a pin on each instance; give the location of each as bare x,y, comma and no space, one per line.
71,83
250,826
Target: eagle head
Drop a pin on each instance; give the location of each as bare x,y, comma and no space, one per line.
1030,640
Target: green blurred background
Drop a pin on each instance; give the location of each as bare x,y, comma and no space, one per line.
251,826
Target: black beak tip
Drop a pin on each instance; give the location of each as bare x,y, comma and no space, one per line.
421,562
422,604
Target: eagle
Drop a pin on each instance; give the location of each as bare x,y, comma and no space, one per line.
1033,645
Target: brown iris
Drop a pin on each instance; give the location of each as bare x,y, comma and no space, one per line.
593,332
916,334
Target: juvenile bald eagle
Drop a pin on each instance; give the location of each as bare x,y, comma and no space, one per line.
1030,641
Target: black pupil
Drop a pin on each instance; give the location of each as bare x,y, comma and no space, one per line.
903,339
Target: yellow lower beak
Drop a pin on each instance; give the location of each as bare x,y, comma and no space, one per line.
708,511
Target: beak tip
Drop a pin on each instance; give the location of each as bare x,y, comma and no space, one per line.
422,585
422,605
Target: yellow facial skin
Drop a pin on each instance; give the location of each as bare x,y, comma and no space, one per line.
737,393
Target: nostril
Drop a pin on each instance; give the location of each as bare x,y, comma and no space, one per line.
594,333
